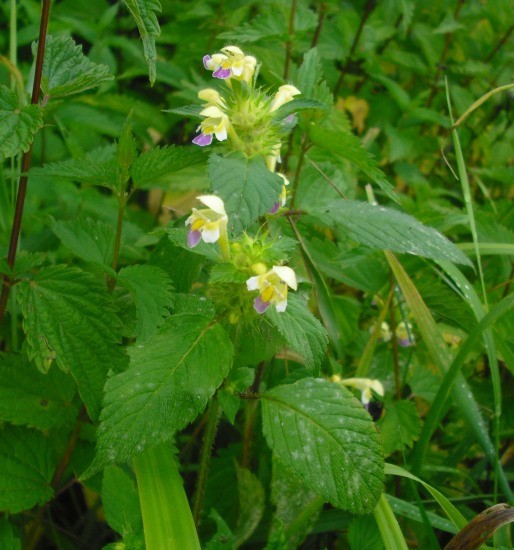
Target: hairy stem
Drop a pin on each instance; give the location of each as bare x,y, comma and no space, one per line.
319,26
211,430
25,163
303,151
251,411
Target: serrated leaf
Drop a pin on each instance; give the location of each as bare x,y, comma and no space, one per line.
349,147
26,469
121,506
310,78
322,435
143,12
153,165
388,229
187,110
251,505
67,318
66,70
297,105
170,379
90,240
30,398
83,170
400,426
246,186
18,125
301,330
151,290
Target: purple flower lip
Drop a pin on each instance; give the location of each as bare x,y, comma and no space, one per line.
404,342
259,305
193,238
274,208
206,59
221,73
203,139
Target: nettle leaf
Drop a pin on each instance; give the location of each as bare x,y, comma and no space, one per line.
66,70
18,125
143,12
301,330
28,397
151,290
349,147
90,240
26,469
322,435
187,110
251,505
170,379
400,426
83,170
157,163
297,105
67,317
388,229
310,79
247,187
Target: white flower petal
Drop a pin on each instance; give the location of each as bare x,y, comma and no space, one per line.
211,235
281,306
286,181
253,283
221,135
233,50
287,275
237,70
213,112
289,90
214,203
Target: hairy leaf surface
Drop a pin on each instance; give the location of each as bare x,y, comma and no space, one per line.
67,318
322,434
170,379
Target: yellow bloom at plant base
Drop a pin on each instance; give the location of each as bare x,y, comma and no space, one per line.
369,389
272,287
216,124
212,98
282,198
284,95
207,224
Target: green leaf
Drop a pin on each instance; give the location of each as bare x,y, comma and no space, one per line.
143,12
223,539
301,330
8,540
310,79
67,317
187,110
157,163
66,70
90,240
251,505
363,534
18,125
297,105
349,147
26,469
400,426
247,187
121,507
28,397
388,229
170,379
322,434
151,290
126,154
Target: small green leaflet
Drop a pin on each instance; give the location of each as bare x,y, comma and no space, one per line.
322,435
90,240
66,70
151,290
18,125
301,330
68,318
251,505
297,105
400,426
30,398
26,469
143,12
168,383
310,79
387,229
247,187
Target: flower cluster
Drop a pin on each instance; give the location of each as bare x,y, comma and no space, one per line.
210,225
243,113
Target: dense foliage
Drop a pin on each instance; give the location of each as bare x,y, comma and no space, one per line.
258,294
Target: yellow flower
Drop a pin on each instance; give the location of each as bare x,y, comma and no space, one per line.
216,124
272,287
207,224
284,95
231,62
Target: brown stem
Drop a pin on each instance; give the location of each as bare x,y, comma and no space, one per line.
289,38
367,12
321,18
303,151
25,163
444,53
